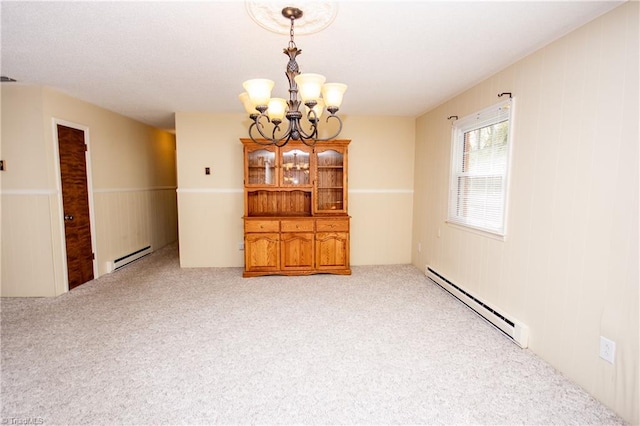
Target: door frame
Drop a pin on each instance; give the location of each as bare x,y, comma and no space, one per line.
87,156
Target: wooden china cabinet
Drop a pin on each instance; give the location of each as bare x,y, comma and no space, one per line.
295,209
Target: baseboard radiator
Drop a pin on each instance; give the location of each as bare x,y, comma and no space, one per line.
513,329
123,261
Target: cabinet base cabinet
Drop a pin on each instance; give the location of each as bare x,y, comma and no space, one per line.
332,251
296,246
296,252
262,253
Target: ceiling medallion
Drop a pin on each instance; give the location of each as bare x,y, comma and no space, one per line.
318,15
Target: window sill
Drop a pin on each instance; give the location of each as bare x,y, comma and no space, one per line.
477,231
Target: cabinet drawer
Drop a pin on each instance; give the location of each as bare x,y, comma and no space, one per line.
328,225
296,226
261,226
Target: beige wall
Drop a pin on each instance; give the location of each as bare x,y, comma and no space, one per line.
132,178
380,188
569,266
28,266
211,207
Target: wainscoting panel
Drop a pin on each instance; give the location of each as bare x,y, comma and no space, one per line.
27,261
127,220
380,226
211,227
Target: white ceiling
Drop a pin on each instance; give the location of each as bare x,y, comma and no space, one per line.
147,60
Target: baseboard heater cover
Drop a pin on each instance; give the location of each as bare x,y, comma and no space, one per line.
515,330
123,261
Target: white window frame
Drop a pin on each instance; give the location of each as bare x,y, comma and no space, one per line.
489,116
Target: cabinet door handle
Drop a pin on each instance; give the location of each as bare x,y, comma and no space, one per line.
297,226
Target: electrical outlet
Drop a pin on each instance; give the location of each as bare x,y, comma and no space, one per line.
240,246
607,349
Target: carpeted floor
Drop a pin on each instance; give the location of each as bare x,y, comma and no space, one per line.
156,344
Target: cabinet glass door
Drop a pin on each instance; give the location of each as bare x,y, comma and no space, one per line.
330,181
296,166
261,167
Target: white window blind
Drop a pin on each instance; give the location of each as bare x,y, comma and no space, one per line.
479,169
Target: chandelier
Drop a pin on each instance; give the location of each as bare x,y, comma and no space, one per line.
316,95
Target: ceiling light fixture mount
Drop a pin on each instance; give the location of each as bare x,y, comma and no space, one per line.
314,92
292,12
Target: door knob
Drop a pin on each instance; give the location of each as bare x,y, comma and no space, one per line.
68,217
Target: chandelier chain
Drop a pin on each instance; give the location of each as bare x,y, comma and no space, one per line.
292,44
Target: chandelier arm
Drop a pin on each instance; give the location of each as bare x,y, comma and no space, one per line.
312,116
276,127
282,142
310,142
297,133
273,140
337,132
313,121
284,139
313,134
259,126
259,140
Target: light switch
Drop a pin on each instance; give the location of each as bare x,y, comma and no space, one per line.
207,170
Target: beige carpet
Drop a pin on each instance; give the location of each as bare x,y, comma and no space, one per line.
156,344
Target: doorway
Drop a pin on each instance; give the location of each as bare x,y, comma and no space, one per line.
72,149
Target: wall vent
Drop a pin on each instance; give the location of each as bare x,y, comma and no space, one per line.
516,331
123,261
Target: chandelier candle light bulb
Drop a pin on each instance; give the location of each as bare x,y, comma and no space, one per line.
310,86
333,93
249,106
277,109
313,91
259,90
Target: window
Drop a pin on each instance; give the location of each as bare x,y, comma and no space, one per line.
479,169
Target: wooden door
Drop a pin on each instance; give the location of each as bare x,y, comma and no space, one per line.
75,201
